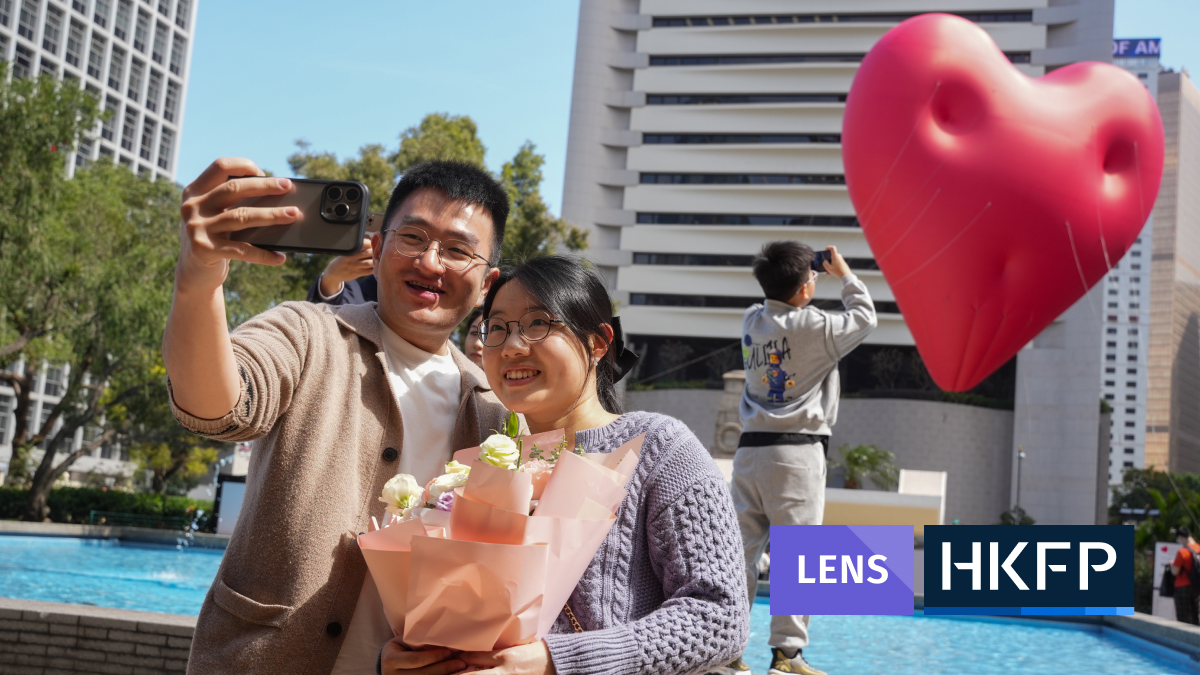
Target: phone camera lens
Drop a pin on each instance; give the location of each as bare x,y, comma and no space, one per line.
334,193
352,194
341,210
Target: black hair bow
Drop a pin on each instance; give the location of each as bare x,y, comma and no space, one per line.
626,359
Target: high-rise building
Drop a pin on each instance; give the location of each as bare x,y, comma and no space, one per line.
132,55
700,131
1126,308
1173,396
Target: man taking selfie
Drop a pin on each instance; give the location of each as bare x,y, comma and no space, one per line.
338,399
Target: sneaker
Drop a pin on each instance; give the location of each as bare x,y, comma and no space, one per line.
735,667
782,665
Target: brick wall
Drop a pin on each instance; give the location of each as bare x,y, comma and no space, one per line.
39,638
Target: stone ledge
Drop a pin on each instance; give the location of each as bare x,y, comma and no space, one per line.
132,534
104,617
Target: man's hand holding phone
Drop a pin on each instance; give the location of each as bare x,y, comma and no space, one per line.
209,218
196,346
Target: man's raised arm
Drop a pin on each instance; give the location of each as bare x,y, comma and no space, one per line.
196,347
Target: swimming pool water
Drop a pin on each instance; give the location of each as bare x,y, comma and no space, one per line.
921,645
107,572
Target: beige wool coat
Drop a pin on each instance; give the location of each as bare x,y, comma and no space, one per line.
318,403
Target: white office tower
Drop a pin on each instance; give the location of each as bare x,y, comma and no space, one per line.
1127,305
132,55
702,129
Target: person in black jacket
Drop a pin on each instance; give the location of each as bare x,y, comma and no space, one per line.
347,279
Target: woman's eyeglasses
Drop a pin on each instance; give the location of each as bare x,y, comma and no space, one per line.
533,327
455,254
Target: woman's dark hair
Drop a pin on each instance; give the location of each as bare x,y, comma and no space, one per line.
575,294
459,181
782,267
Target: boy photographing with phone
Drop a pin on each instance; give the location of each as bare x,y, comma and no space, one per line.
791,351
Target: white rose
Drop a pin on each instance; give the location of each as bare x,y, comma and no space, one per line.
402,494
453,466
446,483
499,450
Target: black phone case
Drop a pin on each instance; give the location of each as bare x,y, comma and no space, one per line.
312,232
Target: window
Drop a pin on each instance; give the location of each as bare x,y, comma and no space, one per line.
1110,345
129,131
164,7
1112,305
181,13
54,382
742,179
1134,305
107,125
1128,465
727,99
1130,424
1131,371
178,45
116,68
124,16
134,91
1106,396
1112,317
172,101
52,34
48,67
74,44
1110,371
96,57
1129,437
1131,345
27,20
1111,331
166,145
1135,292
5,17
83,156
147,140
1112,291
1129,397
106,151
1131,385
79,6
1133,331
1110,383
125,162
1136,280
153,90
6,406
23,63
1132,358
141,31
1135,254
103,9
1135,266
1131,411
1110,357
159,53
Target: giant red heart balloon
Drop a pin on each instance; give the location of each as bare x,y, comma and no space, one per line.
991,200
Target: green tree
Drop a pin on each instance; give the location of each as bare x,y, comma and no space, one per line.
868,461
41,119
119,232
1016,516
439,136
532,230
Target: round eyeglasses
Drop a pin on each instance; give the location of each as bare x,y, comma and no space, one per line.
455,254
533,327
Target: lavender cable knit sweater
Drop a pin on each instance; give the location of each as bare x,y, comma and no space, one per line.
666,592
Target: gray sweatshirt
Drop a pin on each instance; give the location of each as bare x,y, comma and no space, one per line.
666,592
791,356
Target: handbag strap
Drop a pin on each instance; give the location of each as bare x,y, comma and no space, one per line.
571,616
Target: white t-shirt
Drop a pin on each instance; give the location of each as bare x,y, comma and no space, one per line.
427,388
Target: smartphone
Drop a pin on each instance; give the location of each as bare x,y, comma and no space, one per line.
333,218
374,222
820,258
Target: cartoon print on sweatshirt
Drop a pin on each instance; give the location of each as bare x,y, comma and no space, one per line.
767,361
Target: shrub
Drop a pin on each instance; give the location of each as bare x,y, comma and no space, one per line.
74,505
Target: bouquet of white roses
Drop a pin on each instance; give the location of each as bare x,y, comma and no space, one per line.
485,556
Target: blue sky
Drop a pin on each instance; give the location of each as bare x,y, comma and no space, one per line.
340,75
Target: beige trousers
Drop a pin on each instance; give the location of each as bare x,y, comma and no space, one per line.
777,485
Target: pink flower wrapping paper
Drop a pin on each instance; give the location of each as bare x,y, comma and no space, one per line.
487,575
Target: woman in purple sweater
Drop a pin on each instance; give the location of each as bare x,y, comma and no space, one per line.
665,593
